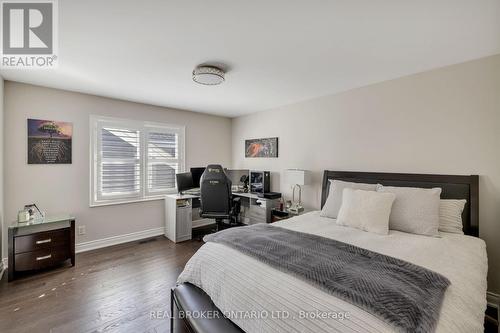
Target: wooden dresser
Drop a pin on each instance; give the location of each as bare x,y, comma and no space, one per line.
36,245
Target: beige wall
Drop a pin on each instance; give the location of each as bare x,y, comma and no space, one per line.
445,121
65,188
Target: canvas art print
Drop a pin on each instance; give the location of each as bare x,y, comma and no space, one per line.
267,147
49,142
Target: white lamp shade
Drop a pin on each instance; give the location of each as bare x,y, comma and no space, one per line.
297,177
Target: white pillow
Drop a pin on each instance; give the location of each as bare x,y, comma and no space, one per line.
450,215
334,199
366,210
415,210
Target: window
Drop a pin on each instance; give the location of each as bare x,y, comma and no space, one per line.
133,160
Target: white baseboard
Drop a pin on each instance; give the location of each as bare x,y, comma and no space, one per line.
493,299
115,240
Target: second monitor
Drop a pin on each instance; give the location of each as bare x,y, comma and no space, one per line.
184,182
196,173
239,179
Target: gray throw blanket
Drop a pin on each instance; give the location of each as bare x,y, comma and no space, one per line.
403,294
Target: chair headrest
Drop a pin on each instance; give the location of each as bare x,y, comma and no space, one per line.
214,168
214,171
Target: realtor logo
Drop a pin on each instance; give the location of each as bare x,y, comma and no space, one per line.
29,34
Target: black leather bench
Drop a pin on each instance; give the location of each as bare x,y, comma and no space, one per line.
192,310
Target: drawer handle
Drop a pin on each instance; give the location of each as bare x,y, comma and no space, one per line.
44,257
48,240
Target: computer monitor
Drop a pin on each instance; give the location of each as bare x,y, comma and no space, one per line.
235,175
184,181
196,174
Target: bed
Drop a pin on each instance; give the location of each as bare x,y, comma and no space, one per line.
222,280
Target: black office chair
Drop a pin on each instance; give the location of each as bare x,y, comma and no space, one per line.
217,201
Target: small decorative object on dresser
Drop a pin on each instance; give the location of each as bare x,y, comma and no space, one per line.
40,243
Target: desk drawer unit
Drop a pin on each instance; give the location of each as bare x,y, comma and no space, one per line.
256,214
259,210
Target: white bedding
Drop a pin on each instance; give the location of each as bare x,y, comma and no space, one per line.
236,282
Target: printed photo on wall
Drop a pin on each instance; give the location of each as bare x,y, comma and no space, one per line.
267,147
49,142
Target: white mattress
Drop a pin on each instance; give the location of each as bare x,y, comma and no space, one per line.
236,282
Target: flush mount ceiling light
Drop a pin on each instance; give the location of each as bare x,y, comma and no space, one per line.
208,75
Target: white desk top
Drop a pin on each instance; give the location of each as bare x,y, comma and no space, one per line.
247,195
177,196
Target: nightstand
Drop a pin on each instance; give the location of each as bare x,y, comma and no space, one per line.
39,244
278,215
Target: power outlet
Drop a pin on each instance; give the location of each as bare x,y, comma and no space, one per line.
81,230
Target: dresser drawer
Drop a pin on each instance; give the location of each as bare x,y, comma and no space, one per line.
42,258
41,240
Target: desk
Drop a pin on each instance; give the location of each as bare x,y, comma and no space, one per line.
182,213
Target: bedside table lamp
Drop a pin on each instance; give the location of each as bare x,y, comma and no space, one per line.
297,178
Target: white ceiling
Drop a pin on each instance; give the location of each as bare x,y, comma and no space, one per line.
278,52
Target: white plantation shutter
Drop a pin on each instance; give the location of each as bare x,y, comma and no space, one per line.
133,160
164,159
120,167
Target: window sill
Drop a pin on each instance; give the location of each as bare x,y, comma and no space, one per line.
127,201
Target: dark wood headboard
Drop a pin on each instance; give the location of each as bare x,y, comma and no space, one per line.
454,187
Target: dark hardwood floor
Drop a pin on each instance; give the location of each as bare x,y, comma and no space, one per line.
114,289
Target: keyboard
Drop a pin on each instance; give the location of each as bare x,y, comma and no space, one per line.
194,191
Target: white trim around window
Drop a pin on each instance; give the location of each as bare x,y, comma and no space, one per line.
133,161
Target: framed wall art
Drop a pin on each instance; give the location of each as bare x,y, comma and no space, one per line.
266,147
49,142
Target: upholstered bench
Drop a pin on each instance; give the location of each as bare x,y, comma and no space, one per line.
192,310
